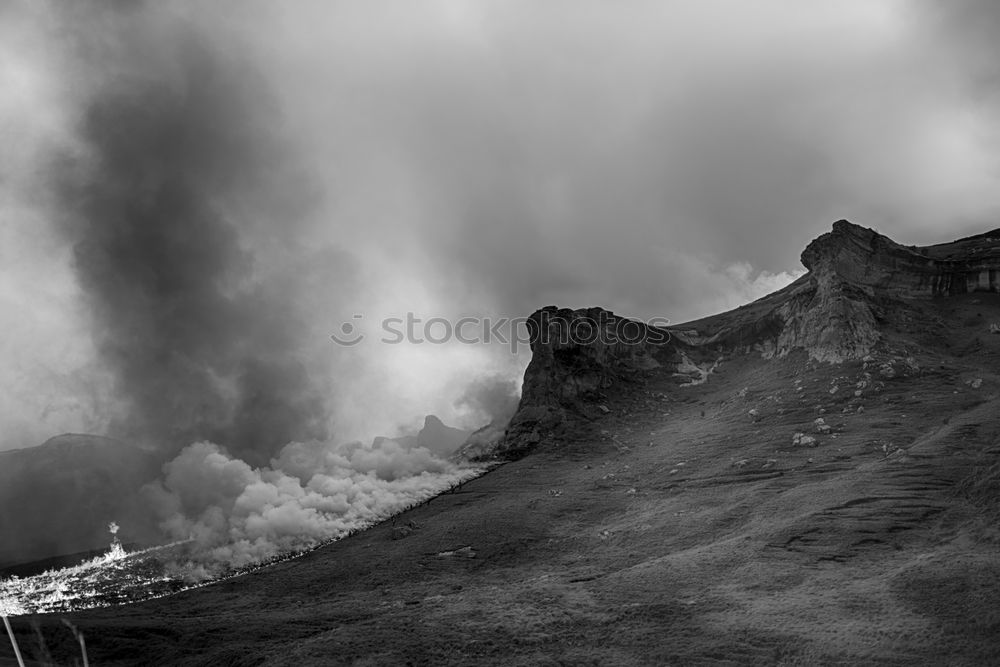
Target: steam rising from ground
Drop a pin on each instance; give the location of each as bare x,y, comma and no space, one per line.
311,492
225,516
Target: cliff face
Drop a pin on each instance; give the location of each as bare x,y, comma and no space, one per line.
576,354
580,351
858,280
858,283
865,258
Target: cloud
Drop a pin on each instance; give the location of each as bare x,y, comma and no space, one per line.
50,384
579,154
312,491
490,398
183,212
204,193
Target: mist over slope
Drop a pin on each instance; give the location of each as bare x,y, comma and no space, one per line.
310,493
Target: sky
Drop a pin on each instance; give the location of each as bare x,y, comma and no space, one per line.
195,196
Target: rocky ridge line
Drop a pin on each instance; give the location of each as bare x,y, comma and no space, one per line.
857,281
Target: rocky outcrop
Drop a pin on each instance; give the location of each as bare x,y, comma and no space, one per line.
576,354
856,280
438,437
875,263
855,272
579,351
833,320
856,276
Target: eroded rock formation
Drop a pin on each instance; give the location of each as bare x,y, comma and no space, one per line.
875,263
857,281
576,354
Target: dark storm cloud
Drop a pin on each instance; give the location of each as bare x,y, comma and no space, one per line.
182,213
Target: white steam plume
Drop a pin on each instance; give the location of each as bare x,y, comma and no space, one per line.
313,491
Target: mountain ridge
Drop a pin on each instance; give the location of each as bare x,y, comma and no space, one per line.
857,281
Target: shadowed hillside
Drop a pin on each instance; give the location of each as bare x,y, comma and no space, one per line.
59,497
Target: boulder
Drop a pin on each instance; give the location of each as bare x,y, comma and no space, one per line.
803,440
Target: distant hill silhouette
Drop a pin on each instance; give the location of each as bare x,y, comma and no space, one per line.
438,437
58,498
